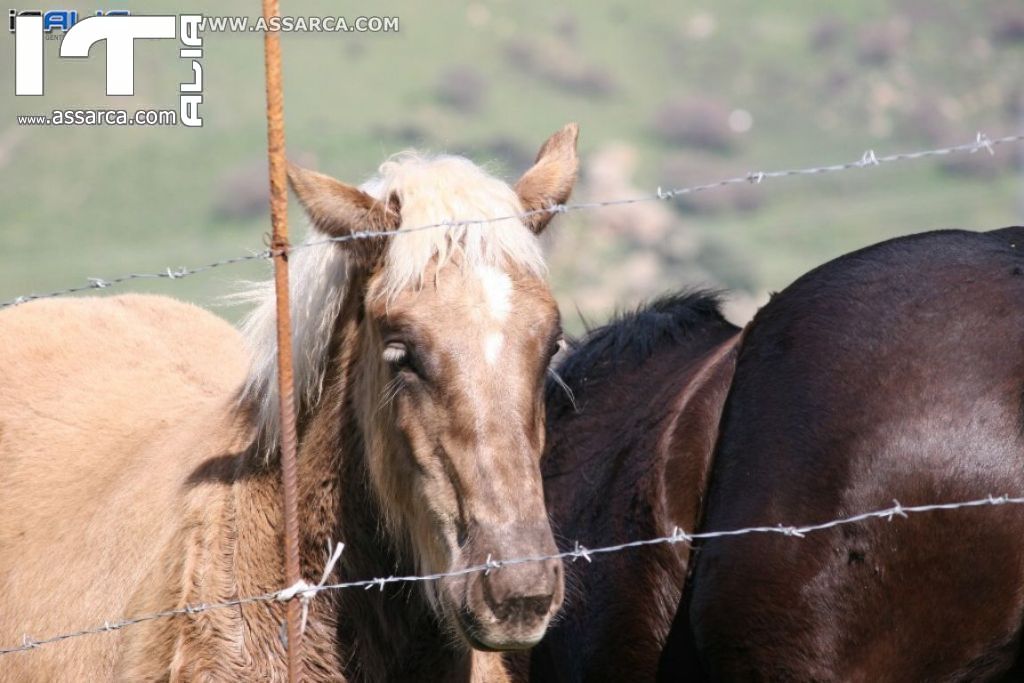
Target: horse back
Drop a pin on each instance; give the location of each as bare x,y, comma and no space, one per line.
105,406
895,372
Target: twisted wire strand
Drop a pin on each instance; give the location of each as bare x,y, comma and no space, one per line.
868,160
304,591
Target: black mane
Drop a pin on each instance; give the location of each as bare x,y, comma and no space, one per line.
632,336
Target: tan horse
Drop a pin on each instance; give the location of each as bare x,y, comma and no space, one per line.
138,459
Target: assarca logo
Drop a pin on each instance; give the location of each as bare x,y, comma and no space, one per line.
120,34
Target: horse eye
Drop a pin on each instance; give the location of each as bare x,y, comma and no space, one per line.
396,354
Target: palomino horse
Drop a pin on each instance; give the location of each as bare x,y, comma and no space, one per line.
895,372
639,426
139,461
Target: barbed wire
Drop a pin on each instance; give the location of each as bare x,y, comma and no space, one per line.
305,592
168,274
868,160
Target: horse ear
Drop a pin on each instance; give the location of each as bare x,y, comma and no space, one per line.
551,178
339,210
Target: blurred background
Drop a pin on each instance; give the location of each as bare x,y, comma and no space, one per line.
666,94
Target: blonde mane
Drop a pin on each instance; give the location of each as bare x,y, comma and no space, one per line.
431,190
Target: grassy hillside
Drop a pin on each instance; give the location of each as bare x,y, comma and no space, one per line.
691,92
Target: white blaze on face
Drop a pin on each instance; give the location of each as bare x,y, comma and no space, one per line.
492,346
497,292
497,287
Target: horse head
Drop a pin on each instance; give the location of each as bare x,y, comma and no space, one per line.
456,326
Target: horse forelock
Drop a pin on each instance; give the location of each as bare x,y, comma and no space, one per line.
450,189
431,190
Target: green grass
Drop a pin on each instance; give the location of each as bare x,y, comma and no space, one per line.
104,201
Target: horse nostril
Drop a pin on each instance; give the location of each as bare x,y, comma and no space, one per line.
523,609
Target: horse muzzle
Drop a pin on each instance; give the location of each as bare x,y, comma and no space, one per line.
509,606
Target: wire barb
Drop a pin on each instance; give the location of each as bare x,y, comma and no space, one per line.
982,142
896,510
579,551
680,536
491,564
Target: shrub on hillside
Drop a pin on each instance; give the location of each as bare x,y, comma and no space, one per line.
1008,24
695,121
463,88
927,121
826,33
560,65
879,43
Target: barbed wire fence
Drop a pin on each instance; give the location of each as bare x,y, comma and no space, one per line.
306,592
868,160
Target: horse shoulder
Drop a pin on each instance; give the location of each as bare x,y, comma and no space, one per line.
196,566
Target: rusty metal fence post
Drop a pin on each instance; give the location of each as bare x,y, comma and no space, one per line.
279,249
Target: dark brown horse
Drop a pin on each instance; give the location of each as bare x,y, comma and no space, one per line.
895,372
634,422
